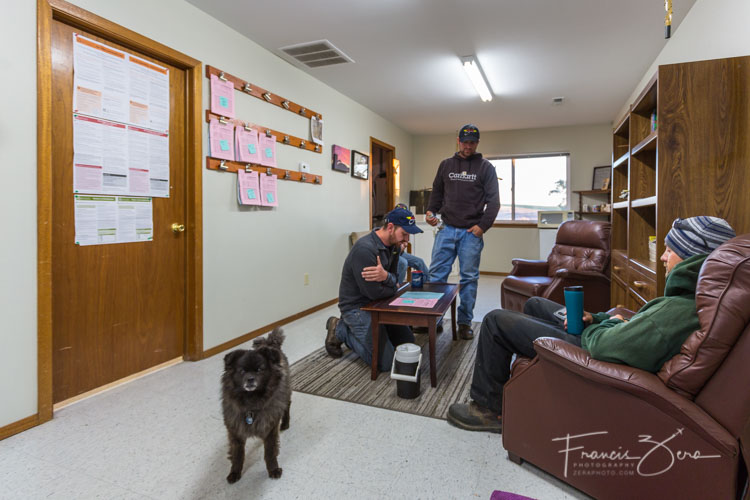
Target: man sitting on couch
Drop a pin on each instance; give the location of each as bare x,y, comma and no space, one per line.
650,338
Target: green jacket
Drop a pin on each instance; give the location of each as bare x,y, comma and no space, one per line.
657,331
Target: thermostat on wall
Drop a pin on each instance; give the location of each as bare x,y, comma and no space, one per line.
304,167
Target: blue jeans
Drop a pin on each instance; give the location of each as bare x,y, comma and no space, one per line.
355,330
409,260
452,242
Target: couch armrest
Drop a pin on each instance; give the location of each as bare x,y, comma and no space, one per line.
526,267
639,383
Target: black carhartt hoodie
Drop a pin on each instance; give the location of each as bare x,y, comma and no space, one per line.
465,192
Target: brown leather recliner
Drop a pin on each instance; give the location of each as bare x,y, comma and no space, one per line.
580,257
614,431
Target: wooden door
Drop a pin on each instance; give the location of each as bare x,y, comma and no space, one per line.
382,196
116,309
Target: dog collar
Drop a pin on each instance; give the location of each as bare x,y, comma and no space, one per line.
249,418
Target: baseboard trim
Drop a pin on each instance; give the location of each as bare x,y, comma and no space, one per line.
493,273
19,426
112,385
260,331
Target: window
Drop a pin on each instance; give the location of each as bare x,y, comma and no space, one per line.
531,183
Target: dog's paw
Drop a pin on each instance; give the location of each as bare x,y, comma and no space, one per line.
275,473
233,477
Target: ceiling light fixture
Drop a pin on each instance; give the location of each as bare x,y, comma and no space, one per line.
476,75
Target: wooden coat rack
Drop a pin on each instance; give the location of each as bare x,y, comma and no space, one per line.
281,173
281,137
264,95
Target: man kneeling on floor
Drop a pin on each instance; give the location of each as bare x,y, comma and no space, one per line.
369,273
650,338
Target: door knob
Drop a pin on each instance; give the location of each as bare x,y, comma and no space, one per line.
178,228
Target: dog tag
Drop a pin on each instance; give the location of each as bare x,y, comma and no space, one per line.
249,420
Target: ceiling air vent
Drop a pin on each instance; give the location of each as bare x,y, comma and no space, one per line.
316,54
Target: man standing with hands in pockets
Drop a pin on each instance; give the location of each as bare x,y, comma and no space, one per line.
465,193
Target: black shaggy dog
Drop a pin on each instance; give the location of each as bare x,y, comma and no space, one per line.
255,398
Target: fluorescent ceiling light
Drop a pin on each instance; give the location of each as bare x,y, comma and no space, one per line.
476,75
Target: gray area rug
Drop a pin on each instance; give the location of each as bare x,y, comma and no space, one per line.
348,378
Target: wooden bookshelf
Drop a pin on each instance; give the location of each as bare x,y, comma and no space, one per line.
692,162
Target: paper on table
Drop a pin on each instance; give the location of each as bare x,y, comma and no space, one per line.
268,196
222,97
221,139
422,295
247,145
248,191
427,303
100,152
100,80
268,150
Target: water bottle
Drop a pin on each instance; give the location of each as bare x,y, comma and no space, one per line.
574,307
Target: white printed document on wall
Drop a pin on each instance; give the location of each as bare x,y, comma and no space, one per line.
100,80
101,220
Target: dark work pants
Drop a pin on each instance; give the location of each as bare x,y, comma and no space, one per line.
505,333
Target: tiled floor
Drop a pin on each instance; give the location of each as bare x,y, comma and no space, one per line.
162,437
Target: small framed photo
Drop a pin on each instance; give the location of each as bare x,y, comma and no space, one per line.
341,158
360,165
600,175
316,130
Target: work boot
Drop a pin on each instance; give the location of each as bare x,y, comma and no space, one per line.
465,332
333,344
472,417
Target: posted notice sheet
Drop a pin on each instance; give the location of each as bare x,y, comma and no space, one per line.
120,122
112,219
268,195
248,189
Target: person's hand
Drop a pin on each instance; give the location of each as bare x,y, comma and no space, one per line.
404,245
618,316
430,218
375,273
476,231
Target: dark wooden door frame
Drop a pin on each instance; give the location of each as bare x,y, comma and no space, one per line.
391,188
59,10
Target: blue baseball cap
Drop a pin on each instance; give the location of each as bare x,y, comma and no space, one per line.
403,218
468,132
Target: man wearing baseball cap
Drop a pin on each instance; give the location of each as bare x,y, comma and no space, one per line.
369,273
649,339
465,194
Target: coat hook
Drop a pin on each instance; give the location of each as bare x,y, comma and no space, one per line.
267,96
247,88
285,104
223,165
222,77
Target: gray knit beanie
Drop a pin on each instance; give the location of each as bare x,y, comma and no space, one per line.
697,235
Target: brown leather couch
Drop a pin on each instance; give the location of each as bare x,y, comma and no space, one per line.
614,431
580,257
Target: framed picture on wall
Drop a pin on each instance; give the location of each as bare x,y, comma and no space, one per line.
341,158
600,175
360,165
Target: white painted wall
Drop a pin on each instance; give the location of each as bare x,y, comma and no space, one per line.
712,29
254,260
588,145
18,212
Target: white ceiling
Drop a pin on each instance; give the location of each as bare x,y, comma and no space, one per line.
406,53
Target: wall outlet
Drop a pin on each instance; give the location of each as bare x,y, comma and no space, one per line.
307,279
304,167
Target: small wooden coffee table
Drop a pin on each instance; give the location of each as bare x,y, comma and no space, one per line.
383,313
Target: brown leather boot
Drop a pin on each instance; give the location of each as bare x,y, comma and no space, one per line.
472,417
465,332
333,344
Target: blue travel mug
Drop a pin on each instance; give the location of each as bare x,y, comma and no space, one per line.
574,308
